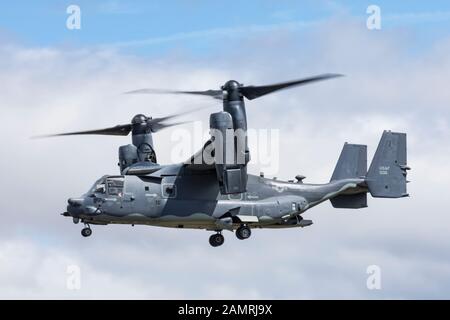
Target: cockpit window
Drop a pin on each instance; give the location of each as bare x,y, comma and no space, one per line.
115,186
100,188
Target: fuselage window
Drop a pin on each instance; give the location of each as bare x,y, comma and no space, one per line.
169,190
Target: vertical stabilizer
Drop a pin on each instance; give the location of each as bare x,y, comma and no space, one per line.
386,177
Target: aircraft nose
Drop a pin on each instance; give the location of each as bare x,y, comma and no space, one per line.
75,202
80,206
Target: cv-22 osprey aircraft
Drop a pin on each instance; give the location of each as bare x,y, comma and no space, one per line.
213,191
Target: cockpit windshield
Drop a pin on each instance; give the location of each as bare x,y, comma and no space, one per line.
99,186
112,186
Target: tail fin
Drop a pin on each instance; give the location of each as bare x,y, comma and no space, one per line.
352,163
386,177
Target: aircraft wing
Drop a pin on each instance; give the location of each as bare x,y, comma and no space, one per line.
232,179
202,160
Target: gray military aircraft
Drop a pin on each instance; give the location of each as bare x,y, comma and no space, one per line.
212,189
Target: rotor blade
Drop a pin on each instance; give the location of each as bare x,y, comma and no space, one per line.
175,115
253,92
120,130
155,127
216,94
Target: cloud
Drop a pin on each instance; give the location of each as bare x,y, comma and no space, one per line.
52,90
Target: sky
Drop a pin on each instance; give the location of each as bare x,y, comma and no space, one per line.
55,79
156,27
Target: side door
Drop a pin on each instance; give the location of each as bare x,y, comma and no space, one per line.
153,201
133,195
114,191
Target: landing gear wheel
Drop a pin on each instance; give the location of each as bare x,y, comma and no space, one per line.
86,232
243,232
216,240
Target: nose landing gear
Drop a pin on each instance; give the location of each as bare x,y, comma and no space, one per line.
86,231
216,239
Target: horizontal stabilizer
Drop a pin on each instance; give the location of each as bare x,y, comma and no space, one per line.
350,201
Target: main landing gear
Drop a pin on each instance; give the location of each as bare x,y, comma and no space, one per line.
216,239
86,231
243,232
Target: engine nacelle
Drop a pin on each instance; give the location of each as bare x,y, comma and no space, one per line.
128,155
229,153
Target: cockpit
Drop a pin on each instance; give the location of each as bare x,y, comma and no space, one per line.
108,185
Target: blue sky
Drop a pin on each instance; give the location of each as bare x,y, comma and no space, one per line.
107,22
